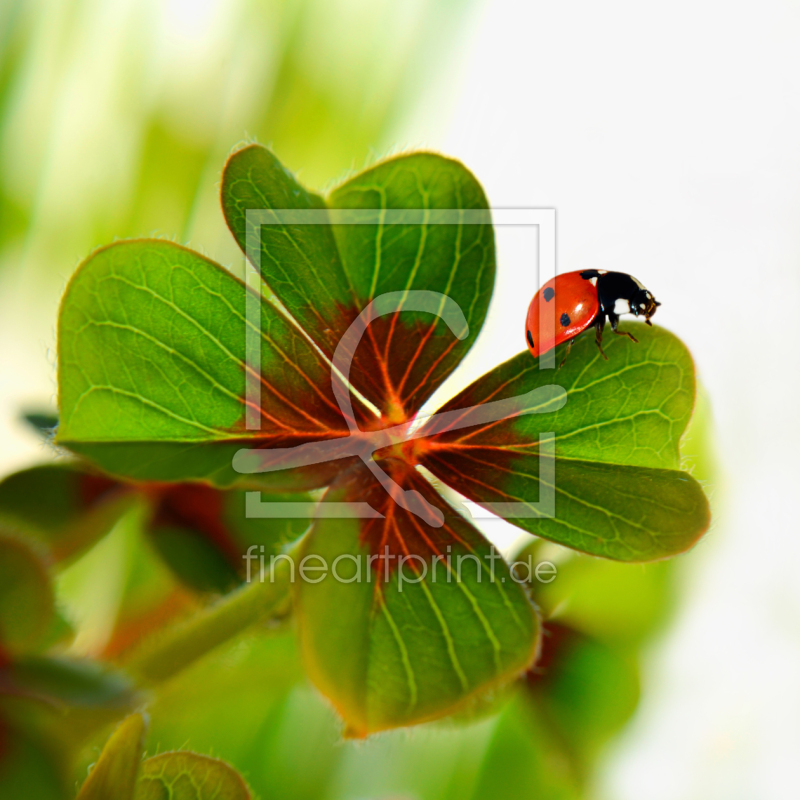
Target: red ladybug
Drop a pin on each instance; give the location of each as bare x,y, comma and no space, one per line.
586,298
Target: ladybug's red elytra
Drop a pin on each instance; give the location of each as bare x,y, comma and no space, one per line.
584,298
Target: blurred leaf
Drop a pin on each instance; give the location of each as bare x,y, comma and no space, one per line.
547,738
152,381
43,422
71,682
619,491
608,600
26,594
391,645
91,588
124,590
524,759
28,768
585,689
203,533
67,506
190,533
188,776
59,633
194,560
51,708
114,776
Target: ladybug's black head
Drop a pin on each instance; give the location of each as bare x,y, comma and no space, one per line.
644,303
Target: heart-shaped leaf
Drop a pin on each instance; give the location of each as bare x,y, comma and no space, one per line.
408,621
446,247
189,776
298,261
443,243
114,775
619,492
153,371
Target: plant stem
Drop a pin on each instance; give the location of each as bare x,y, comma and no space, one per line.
180,646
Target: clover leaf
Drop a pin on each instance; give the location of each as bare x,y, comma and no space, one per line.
158,373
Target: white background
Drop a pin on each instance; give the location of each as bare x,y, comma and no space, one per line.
667,136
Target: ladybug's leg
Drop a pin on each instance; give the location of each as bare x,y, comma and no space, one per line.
614,320
599,324
569,347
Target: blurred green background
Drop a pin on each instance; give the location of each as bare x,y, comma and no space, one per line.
115,119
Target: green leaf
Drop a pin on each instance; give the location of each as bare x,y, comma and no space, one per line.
71,682
194,560
405,357
66,506
548,737
114,776
585,689
26,595
200,531
619,491
613,602
204,534
325,283
188,776
396,643
153,372
299,263
524,759
43,422
62,703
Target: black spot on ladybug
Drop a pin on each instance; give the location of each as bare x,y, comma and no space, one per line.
565,320
548,294
530,338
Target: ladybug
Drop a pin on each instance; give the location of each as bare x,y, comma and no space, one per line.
587,298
